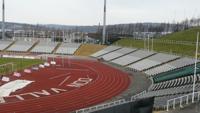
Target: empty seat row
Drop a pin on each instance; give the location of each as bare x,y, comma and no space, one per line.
4,44
44,47
116,54
174,74
67,48
175,82
132,57
170,66
21,46
105,51
171,91
153,61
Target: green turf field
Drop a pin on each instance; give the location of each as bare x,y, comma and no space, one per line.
181,43
19,64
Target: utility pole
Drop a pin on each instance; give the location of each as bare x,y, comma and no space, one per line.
195,68
3,19
148,42
104,24
152,44
63,38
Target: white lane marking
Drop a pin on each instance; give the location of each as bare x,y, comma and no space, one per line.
72,69
60,76
64,80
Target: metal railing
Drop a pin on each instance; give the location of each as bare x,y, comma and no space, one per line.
110,104
183,100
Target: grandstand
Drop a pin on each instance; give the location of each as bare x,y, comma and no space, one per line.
152,61
44,47
105,51
21,46
170,66
185,71
4,44
118,53
132,57
172,75
67,48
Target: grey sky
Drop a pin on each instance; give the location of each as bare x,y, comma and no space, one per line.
89,12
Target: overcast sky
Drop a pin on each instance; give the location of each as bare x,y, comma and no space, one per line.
89,12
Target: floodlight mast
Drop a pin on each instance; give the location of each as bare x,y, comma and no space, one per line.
195,68
104,24
3,19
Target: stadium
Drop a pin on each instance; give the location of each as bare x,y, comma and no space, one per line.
42,73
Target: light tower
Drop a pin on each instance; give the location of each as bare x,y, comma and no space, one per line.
104,24
3,20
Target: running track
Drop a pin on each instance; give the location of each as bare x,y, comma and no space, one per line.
107,82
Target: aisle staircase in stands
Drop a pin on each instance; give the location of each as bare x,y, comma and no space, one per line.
9,45
35,44
56,48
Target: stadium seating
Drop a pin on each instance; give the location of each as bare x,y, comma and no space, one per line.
170,66
170,75
21,46
105,51
152,61
118,53
175,82
163,95
133,57
4,44
44,47
67,48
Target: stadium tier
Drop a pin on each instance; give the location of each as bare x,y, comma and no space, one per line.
163,95
44,47
21,46
174,83
4,44
105,51
182,72
67,48
117,54
133,57
170,66
152,61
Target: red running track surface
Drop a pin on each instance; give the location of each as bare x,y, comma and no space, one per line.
106,83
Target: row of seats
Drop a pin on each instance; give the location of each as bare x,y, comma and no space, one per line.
67,48
132,57
170,66
118,53
174,82
105,51
21,46
163,95
4,44
152,61
174,74
44,47
41,47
